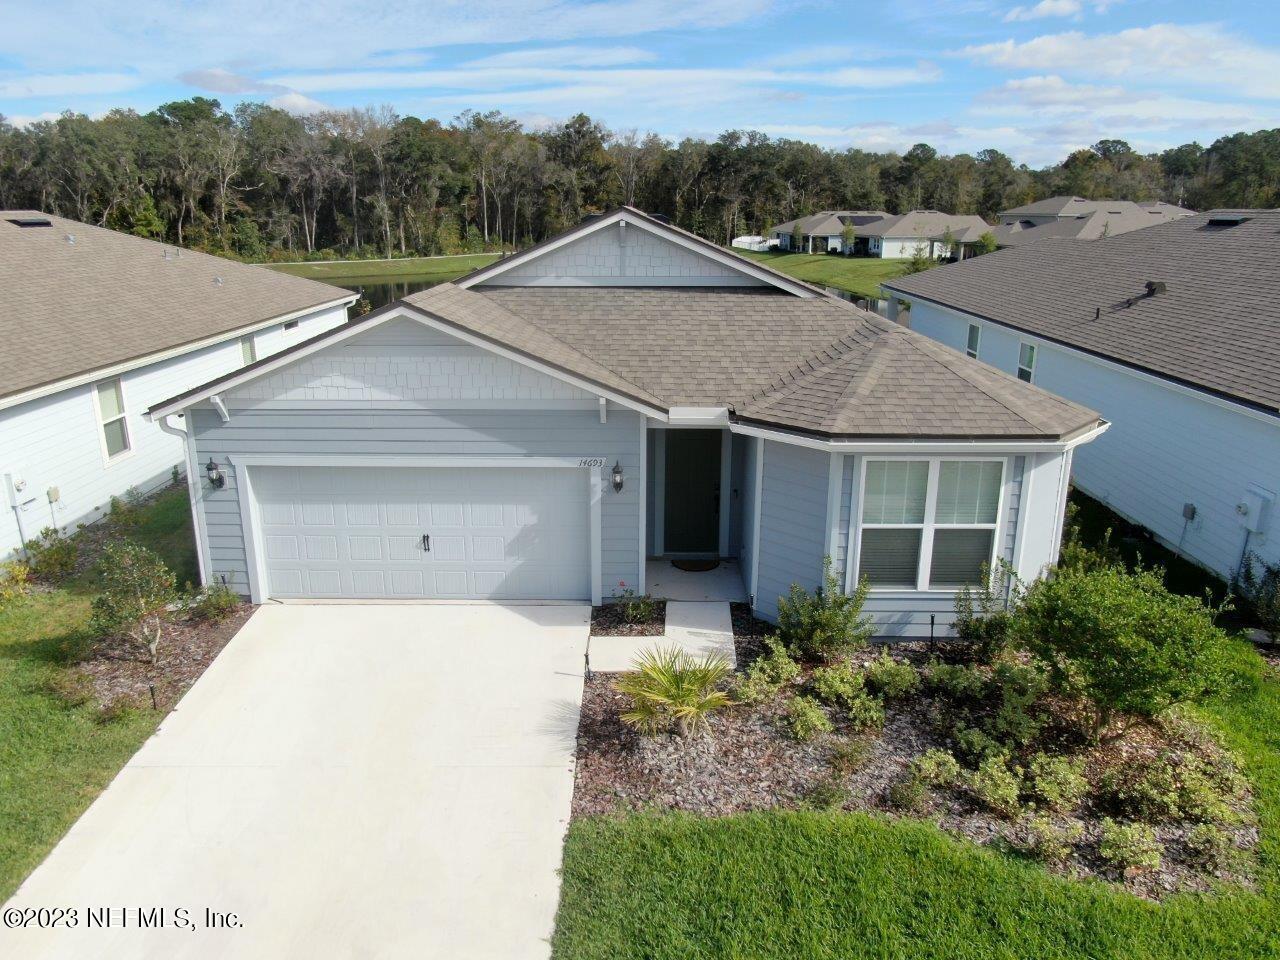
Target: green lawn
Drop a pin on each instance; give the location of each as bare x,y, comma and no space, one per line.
54,757
859,275
817,885
438,269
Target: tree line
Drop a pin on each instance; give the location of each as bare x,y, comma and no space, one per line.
260,183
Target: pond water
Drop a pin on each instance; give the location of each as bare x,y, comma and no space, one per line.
379,292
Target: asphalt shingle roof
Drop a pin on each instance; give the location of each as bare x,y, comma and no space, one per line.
1216,326
69,308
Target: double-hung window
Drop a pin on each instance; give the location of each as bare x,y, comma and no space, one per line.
975,337
1026,361
115,429
928,524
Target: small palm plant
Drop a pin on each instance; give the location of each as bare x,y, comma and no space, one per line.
672,690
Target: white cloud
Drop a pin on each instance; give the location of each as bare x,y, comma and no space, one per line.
569,56
1204,55
25,120
217,80
298,104
1051,91
66,84
1043,9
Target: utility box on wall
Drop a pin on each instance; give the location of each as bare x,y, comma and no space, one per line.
1254,508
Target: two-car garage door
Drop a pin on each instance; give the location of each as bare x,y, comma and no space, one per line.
423,533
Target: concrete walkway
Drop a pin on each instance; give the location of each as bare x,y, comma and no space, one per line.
699,628
349,781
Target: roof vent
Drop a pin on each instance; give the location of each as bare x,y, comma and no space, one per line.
1225,221
661,218
217,281
31,221
1155,286
70,238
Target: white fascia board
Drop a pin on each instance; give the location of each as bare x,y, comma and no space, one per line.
342,334
1010,447
1113,366
698,416
105,373
734,262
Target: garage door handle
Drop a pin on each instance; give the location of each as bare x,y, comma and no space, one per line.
426,542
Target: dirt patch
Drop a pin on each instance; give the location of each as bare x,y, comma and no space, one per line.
122,672
608,621
747,760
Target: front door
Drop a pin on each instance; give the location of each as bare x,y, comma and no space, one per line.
692,492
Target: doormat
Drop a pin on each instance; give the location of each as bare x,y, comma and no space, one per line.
695,566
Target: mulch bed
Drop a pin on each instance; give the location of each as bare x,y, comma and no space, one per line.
748,761
122,673
607,621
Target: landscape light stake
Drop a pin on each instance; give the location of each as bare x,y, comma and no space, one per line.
931,639
152,688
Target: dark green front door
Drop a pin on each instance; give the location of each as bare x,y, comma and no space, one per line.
692,492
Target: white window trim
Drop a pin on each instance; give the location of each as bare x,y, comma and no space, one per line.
248,346
109,459
977,347
1035,356
927,526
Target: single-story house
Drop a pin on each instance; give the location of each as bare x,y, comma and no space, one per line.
1173,333
1073,218
624,393
823,232
926,231
97,326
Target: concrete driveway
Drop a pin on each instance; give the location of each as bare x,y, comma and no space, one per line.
349,781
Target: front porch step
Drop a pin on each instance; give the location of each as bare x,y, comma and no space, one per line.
697,627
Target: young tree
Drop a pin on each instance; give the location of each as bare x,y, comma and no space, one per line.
137,588
986,244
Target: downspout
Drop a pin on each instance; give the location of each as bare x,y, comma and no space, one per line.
193,491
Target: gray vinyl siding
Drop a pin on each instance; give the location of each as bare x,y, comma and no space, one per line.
539,433
793,522
1013,509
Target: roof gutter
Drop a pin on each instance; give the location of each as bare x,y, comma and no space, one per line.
921,444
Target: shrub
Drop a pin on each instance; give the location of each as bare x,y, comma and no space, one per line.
907,794
672,690
1123,640
821,625
213,604
767,674
963,684
1056,782
1016,720
973,746
1257,583
1130,845
636,608
838,685
51,556
136,590
891,678
806,719
124,513
1046,840
1173,788
936,768
15,582
850,756
827,794
864,712
1211,847
996,786
983,615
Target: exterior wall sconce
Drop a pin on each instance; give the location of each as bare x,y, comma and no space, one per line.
617,476
217,479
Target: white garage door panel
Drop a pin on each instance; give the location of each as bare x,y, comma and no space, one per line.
496,533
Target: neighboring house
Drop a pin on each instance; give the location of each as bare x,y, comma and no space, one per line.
754,242
925,231
542,427
823,232
97,326
1173,333
1073,218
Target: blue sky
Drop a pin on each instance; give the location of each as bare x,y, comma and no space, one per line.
1035,78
